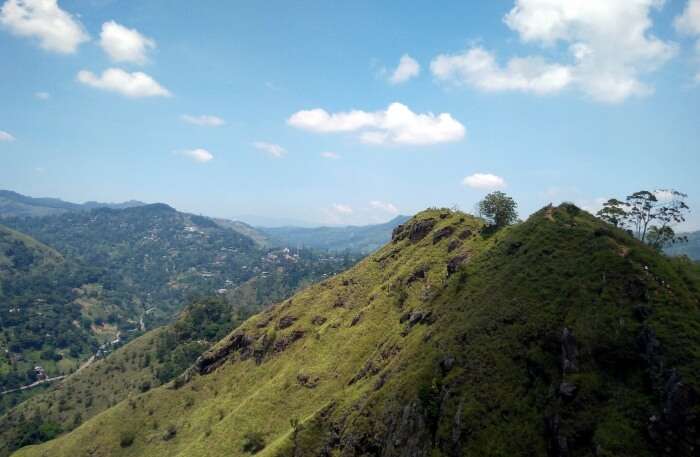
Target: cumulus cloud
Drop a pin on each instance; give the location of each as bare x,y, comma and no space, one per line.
384,206
484,181
134,85
408,68
273,150
688,23
4,136
582,31
330,155
478,68
342,209
198,155
203,120
42,95
123,44
396,125
55,29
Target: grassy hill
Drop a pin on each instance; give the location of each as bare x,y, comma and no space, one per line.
152,359
121,272
363,239
558,336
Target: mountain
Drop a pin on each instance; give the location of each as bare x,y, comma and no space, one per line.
363,239
40,323
558,336
691,248
119,272
149,360
13,204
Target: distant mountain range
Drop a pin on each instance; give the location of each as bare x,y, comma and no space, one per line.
691,248
359,239
363,239
13,204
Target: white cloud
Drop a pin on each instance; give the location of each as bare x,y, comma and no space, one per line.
342,209
132,85
478,68
608,45
198,155
395,125
4,136
408,68
56,29
42,95
203,120
274,150
330,155
484,181
689,22
384,206
123,44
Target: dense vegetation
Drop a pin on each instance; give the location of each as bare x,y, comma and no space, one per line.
364,239
158,356
118,273
560,336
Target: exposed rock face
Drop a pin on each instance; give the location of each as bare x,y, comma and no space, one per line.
557,444
464,234
453,244
286,321
455,262
675,430
318,320
443,233
414,231
210,361
569,352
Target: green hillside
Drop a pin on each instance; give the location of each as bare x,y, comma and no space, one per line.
154,358
559,336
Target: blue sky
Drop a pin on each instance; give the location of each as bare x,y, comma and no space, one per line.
301,111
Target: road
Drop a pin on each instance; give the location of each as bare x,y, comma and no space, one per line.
34,384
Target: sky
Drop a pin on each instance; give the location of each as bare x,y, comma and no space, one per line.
349,112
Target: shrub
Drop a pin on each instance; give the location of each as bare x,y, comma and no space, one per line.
253,442
126,439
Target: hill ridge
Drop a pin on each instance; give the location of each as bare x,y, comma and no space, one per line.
555,336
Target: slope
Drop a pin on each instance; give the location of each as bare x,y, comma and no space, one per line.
559,336
154,358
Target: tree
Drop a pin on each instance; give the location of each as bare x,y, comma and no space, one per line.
498,209
614,212
649,215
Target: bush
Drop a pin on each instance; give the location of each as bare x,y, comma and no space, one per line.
253,442
126,439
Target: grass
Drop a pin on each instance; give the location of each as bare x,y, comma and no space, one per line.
435,364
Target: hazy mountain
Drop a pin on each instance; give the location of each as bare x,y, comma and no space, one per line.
559,336
691,248
13,204
364,239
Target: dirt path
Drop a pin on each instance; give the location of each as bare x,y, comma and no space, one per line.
34,384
